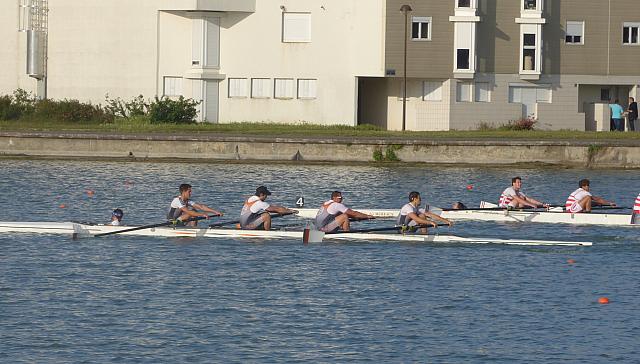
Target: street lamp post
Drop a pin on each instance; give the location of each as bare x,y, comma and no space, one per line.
405,9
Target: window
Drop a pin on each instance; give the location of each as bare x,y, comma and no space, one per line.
421,28
307,89
482,92
464,3
237,87
604,94
630,33
529,52
172,86
462,59
284,88
432,91
528,94
463,93
296,27
575,30
260,88
530,5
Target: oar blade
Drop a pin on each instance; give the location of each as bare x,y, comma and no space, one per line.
312,236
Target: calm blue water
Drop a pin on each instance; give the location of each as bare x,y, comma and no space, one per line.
144,300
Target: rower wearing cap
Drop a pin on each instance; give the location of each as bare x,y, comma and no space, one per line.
333,215
411,214
183,208
255,212
116,217
515,198
581,199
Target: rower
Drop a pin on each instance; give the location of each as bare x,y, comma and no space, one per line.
333,215
411,215
255,211
116,217
458,206
513,197
581,199
183,208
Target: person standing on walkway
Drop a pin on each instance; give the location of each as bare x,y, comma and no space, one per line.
633,114
183,208
581,199
333,215
616,115
255,214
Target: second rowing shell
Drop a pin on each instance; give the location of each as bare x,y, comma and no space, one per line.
592,218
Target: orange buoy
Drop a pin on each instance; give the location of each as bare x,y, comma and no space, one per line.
62,206
603,300
571,261
90,193
469,187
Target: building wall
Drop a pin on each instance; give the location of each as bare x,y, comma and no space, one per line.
346,43
426,59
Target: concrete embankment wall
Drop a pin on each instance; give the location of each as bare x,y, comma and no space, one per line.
611,154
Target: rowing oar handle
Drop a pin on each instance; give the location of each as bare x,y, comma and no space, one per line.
235,222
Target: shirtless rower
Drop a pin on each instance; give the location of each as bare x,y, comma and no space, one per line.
581,199
515,198
333,215
183,208
411,214
255,211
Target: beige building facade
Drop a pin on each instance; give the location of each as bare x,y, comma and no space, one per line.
469,62
478,62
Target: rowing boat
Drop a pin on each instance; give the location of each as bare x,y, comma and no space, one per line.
69,228
593,218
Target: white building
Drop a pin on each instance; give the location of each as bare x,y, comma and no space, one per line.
246,60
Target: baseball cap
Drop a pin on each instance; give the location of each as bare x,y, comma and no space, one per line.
118,213
262,190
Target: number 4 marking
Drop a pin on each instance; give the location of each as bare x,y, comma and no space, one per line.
300,202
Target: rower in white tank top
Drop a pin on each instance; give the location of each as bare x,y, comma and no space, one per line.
411,215
333,215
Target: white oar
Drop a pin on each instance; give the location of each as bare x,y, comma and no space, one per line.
316,236
80,232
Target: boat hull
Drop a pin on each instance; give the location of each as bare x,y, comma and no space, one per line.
86,230
593,218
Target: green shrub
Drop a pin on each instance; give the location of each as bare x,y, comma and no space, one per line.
521,124
20,104
8,110
127,109
71,111
166,110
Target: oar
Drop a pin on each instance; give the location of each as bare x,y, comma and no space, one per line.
234,222
316,236
85,234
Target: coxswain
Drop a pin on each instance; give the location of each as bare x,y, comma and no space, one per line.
581,199
116,217
513,197
333,215
255,214
183,208
411,214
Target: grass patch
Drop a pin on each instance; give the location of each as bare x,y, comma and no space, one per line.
142,124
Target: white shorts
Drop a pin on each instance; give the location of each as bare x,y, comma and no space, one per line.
575,208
